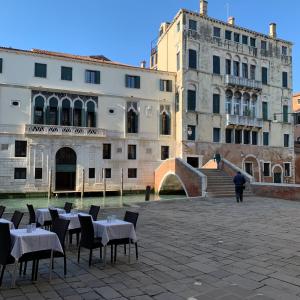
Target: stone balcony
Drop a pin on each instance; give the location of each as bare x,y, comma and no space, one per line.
247,121
235,81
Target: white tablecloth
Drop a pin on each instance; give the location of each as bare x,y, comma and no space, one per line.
40,239
11,225
113,230
43,214
74,220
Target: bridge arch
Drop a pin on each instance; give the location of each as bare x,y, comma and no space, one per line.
166,176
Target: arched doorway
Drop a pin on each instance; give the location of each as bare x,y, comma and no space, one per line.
65,161
277,174
251,166
172,184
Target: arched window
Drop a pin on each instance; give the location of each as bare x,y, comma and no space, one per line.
52,112
77,113
39,110
90,114
253,106
228,103
237,103
132,117
165,120
66,113
246,104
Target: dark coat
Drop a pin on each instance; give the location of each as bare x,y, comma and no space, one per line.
239,180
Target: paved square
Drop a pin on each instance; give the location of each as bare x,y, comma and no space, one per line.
189,249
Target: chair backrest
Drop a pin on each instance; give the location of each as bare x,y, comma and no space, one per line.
131,217
87,231
68,207
5,243
16,218
54,215
60,227
94,210
32,218
2,209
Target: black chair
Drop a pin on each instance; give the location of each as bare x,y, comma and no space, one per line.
94,210
88,239
54,215
16,218
5,248
2,209
32,216
130,217
68,207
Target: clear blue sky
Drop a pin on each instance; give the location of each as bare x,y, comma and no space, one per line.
123,30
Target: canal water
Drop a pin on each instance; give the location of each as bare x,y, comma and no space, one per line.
82,204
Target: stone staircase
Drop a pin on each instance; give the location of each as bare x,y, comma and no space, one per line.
219,184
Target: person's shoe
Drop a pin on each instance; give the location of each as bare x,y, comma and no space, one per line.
237,201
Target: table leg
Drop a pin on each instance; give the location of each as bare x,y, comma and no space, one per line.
50,266
13,283
129,252
104,255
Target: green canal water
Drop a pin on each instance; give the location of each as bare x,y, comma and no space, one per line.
82,204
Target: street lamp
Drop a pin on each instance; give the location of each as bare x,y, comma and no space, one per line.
189,131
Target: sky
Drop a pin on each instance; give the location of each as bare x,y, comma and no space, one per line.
123,30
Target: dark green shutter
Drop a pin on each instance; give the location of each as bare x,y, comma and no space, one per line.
264,75
1,63
191,105
169,85
265,111
216,104
137,82
161,85
97,77
284,80
216,64
126,81
192,59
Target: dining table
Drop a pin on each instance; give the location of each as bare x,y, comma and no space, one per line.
11,224
43,214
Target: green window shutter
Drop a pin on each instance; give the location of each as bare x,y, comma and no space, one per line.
191,105
216,104
265,111
264,75
216,64
137,82
169,85
285,113
127,80
97,76
40,70
161,85
284,80
1,64
192,59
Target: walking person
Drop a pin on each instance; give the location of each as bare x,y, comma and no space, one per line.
217,159
239,182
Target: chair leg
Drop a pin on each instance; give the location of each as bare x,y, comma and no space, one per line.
78,256
65,265
77,238
25,268
125,249
33,270
115,258
2,273
111,253
101,252
20,269
136,251
90,258
70,238
36,270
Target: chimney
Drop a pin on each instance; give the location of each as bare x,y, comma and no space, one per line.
231,21
273,33
143,64
203,7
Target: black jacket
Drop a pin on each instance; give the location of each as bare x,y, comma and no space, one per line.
239,180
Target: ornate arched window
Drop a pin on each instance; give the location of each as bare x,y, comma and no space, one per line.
254,106
39,104
77,113
246,104
237,103
66,112
52,112
90,114
132,117
228,102
165,120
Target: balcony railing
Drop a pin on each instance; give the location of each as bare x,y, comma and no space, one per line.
57,130
242,82
243,121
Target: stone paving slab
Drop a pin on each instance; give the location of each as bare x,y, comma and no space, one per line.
188,249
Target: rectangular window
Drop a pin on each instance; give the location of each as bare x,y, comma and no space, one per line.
284,79
165,85
178,26
40,70
246,137
263,45
216,135
133,82
285,113
107,173
192,25
191,103
178,61
287,169
164,153
20,148
91,173
192,59
106,151
191,132
286,140
132,173
217,32
1,65
284,50
267,169
20,173
238,136
252,42
254,137
228,136
265,111
38,173
245,70
252,72
66,73
92,76
236,37
216,64
228,34
266,138
245,39
264,75
228,67
236,68
216,103
177,102
131,151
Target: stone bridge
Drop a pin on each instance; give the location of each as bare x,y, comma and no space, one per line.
192,180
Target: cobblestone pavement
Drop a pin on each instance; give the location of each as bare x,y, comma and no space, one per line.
189,249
